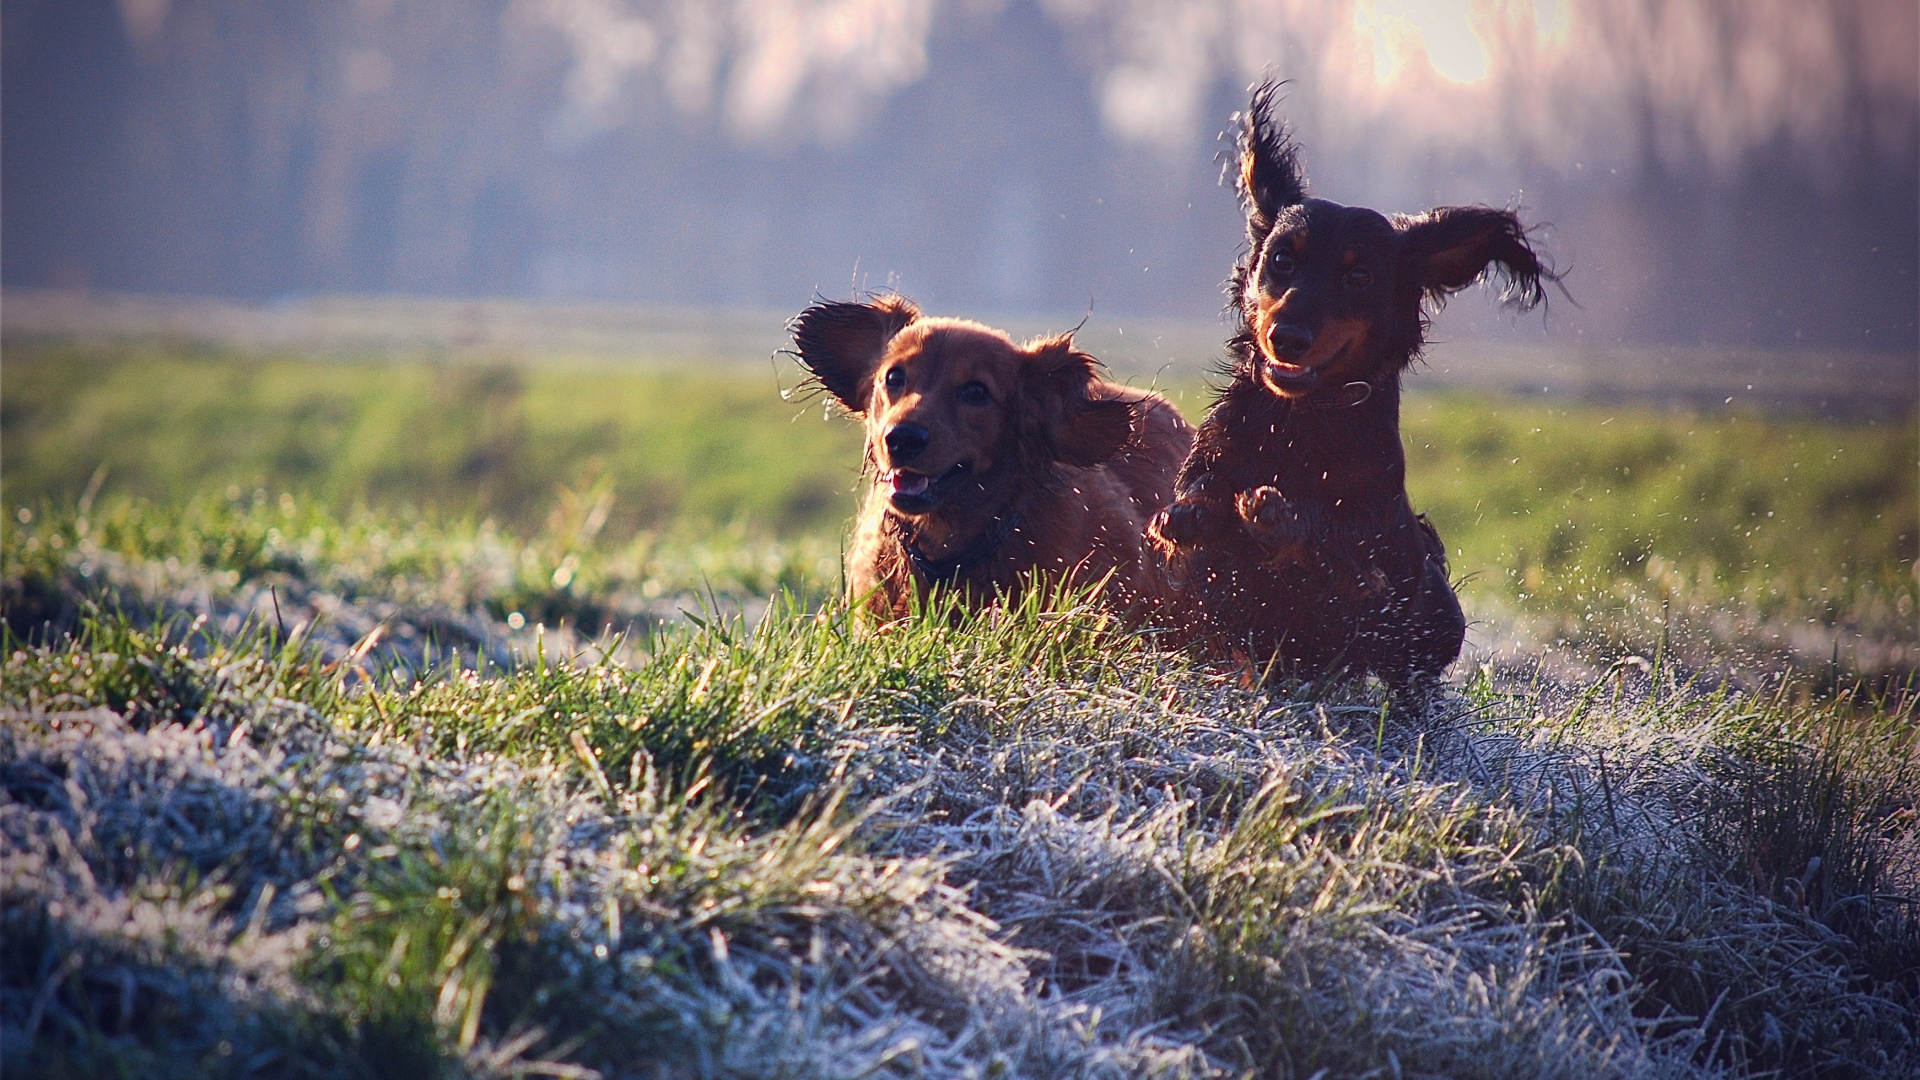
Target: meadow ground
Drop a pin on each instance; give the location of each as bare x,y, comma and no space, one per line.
354,727
1734,539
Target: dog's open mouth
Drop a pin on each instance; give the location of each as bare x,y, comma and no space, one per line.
1336,341
917,492
1292,376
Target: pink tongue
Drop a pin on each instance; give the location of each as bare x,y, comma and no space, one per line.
905,483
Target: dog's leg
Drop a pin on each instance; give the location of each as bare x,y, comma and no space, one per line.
1184,523
1275,522
1414,639
1436,627
1199,514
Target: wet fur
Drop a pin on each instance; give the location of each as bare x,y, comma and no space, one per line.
1291,541
1057,472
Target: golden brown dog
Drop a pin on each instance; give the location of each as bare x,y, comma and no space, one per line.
992,460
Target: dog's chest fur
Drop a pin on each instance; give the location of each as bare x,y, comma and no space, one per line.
1344,470
1346,459
1049,525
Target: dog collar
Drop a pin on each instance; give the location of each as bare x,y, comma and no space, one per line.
1350,395
945,571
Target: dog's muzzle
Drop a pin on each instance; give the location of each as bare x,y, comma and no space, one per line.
905,441
914,492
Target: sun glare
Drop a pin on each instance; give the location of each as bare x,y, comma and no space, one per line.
1442,29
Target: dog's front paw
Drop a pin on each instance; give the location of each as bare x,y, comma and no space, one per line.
1182,524
1270,518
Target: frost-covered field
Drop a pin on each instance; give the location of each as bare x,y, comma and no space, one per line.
531,784
336,812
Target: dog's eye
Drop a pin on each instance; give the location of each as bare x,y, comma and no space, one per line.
976,393
1359,278
896,378
1282,263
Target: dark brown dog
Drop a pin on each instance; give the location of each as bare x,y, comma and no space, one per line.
1291,538
992,460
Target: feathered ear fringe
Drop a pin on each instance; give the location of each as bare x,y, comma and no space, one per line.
1271,175
1449,248
1062,419
842,343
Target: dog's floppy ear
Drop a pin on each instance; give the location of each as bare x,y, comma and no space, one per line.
1063,417
1447,249
842,343
1271,176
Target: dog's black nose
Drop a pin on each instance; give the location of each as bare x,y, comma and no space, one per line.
1289,342
905,441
